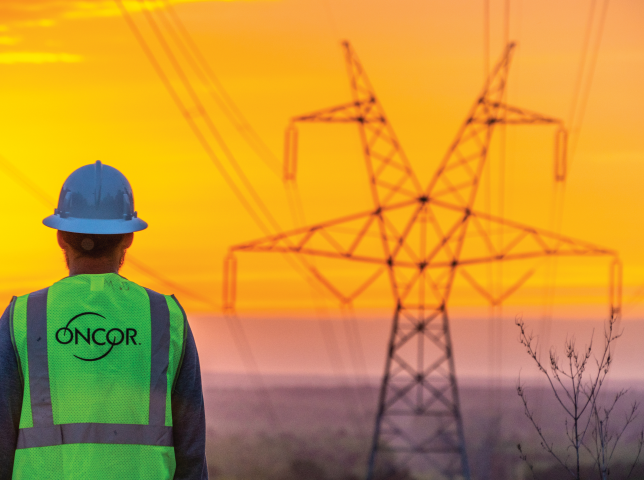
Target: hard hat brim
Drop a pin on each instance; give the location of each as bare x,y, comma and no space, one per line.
95,226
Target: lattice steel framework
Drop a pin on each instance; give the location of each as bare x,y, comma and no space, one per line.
424,237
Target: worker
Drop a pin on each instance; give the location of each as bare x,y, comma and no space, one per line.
99,377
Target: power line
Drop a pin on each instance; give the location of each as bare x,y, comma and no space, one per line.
231,110
506,22
356,350
589,79
329,336
234,324
581,89
201,67
577,112
206,116
491,337
26,183
556,215
497,309
188,117
486,39
582,63
635,299
221,96
331,17
200,136
332,348
239,336
250,364
140,266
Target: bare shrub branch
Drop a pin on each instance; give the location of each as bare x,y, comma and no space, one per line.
576,388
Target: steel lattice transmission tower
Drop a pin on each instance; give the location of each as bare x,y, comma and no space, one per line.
421,238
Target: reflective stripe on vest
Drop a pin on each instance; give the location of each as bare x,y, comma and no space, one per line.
44,433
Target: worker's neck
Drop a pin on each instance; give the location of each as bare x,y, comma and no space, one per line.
92,266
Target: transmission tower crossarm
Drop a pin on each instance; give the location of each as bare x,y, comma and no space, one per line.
328,254
542,235
345,113
519,116
520,241
358,226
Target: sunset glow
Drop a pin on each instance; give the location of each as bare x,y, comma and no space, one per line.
77,88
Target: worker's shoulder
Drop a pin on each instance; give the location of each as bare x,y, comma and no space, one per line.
173,303
171,299
99,282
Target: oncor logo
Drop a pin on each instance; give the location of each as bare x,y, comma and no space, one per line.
100,336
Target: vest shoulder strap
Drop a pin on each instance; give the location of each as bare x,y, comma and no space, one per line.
183,341
12,334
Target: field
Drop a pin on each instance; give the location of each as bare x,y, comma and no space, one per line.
320,429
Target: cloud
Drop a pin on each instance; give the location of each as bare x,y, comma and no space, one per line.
12,58
46,12
108,8
7,40
31,12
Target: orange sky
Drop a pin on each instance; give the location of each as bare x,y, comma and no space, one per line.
76,87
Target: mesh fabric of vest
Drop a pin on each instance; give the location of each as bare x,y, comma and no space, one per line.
99,357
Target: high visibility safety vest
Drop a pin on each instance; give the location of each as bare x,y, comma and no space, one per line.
99,356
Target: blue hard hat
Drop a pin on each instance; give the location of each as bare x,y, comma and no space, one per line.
96,199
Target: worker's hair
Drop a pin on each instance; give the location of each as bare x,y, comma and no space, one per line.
93,245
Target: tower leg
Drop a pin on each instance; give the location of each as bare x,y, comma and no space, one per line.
419,426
